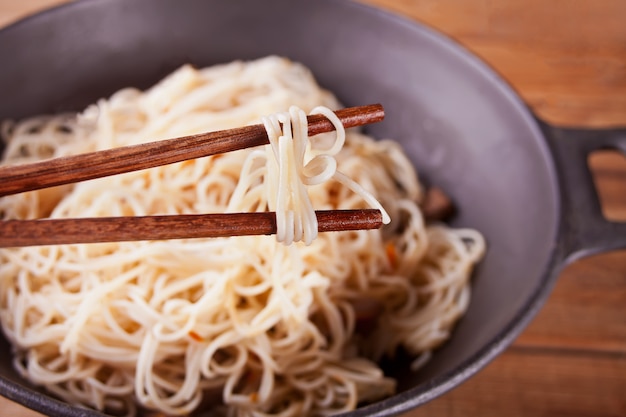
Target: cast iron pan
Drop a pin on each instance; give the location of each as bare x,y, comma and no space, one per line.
523,183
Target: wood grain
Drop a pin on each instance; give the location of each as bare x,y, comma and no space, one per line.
567,59
586,310
609,167
539,382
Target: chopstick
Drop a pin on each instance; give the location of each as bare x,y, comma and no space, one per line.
16,233
71,169
76,168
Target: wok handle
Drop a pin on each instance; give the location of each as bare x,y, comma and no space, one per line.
584,229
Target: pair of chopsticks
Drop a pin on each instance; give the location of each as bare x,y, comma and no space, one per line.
72,169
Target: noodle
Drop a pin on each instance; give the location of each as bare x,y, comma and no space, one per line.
249,325
288,171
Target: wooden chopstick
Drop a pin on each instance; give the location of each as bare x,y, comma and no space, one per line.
16,233
71,169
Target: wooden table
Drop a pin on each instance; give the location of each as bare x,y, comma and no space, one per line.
567,59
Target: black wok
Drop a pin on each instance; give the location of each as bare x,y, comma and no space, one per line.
523,183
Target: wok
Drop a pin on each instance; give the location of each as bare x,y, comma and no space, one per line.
523,183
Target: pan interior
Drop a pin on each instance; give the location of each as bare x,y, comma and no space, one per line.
465,129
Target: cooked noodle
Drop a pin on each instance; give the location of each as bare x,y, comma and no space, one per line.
292,164
256,326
